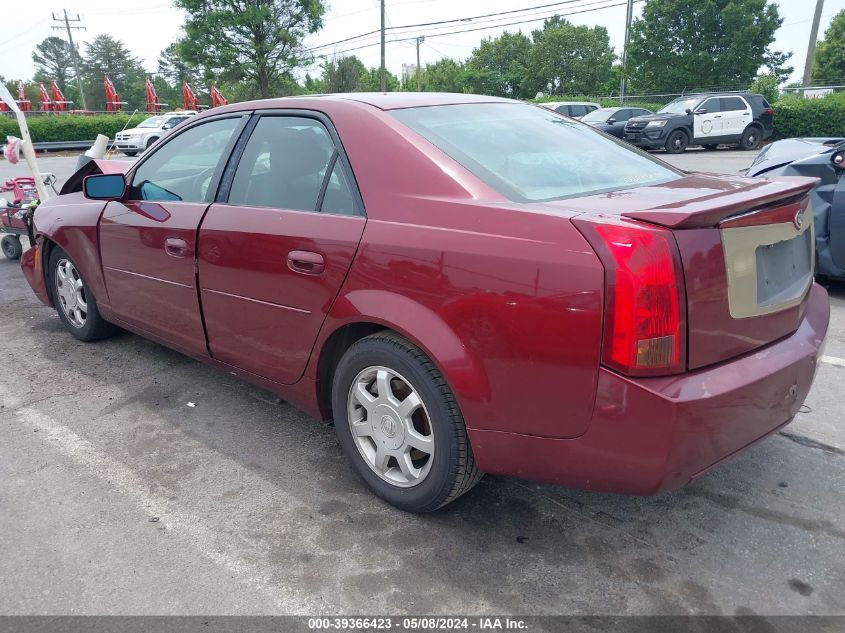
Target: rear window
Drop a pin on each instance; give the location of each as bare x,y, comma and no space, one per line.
529,154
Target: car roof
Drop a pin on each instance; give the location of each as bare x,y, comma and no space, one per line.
381,100
557,103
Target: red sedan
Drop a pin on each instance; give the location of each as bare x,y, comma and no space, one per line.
462,284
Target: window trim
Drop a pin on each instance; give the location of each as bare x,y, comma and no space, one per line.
214,184
222,196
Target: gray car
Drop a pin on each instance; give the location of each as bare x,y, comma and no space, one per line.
822,158
612,120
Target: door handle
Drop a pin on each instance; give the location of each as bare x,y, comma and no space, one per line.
175,247
306,262
718,116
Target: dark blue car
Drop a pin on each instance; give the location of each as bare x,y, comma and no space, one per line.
612,120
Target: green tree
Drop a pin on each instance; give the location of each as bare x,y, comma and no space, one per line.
680,45
255,41
766,85
499,65
105,55
53,59
569,60
371,81
829,63
343,74
444,75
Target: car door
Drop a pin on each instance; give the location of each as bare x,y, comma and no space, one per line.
736,115
276,247
148,239
619,118
707,120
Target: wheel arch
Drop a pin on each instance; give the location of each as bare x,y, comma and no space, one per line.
365,312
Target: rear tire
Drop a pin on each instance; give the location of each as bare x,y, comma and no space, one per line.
11,246
73,300
410,443
750,138
677,142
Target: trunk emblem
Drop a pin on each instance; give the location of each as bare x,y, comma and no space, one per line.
798,221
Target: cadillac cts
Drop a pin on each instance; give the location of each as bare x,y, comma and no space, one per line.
462,284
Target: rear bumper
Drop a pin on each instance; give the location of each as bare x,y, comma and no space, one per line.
658,434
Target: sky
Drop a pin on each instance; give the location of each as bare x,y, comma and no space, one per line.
150,25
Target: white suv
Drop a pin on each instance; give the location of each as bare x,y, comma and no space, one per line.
137,139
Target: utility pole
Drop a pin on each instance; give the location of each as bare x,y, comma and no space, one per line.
382,79
811,46
420,38
74,54
629,16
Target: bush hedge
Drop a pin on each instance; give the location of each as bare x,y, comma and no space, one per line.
69,127
793,117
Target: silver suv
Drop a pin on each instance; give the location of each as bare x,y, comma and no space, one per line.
137,139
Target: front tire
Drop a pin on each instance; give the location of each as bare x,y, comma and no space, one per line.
400,426
677,142
750,138
129,153
73,300
11,246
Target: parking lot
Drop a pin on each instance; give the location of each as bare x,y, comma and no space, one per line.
117,496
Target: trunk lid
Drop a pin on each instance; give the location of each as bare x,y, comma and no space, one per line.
747,254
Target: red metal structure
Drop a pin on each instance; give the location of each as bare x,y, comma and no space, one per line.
46,102
480,281
189,100
60,104
153,104
23,103
113,101
217,99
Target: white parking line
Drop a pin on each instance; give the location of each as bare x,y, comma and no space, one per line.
834,360
288,599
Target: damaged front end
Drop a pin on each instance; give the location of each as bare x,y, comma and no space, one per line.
822,158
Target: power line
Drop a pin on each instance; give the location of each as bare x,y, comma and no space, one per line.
452,21
481,28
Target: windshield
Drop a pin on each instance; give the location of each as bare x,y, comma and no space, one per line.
680,106
599,116
527,153
153,121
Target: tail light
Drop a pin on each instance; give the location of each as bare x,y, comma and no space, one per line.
770,111
645,314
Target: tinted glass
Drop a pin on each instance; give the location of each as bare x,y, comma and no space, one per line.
283,165
639,112
680,106
621,115
577,110
528,154
731,104
563,109
711,105
338,197
181,169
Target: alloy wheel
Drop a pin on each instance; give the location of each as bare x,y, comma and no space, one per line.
71,293
390,426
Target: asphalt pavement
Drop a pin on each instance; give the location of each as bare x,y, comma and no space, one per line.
119,497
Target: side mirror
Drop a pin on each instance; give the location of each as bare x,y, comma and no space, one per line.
700,111
611,121
104,187
689,111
